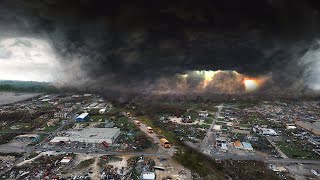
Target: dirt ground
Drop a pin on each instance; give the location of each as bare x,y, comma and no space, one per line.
179,121
79,158
95,169
302,172
172,170
5,160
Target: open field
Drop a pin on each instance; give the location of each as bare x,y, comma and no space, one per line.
294,151
12,97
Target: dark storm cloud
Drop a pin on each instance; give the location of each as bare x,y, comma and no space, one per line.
138,42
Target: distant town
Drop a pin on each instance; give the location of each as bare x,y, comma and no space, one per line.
85,136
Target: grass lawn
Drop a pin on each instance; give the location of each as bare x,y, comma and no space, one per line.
123,122
205,126
294,151
50,128
192,114
201,164
208,120
96,118
245,125
85,163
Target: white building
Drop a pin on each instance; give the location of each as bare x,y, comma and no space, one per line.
203,114
58,139
217,127
291,127
102,111
95,135
270,132
148,176
82,117
66,160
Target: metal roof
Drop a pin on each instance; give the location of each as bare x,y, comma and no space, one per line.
246,145
97,133
83,115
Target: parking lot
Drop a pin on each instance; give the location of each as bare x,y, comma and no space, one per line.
76,147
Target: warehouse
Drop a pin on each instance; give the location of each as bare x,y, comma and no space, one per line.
82,117
90,135
95,135
270,132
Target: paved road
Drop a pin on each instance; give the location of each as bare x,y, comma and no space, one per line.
290,161
210,137
155,138
276,148
101,152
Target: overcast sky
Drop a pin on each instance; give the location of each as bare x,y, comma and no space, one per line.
26,59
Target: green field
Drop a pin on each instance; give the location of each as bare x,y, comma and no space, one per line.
27,86
50,128
96,118
85,163
294,151
205,126
228,169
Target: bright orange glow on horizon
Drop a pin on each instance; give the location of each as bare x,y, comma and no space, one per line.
250,84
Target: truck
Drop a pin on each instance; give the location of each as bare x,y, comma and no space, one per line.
165,143
137,123
105,144
150,130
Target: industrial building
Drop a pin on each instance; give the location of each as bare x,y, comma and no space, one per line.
90,135
82,117
265,131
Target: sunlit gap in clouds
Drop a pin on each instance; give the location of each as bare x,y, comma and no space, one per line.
27,59
250,84
209,81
